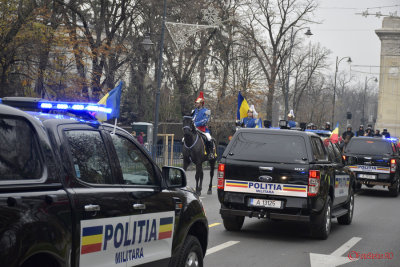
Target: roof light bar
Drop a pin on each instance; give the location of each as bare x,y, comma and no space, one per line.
74,106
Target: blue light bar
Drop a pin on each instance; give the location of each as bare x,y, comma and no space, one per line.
53,105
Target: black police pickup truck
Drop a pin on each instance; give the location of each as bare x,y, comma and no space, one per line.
73,193
287,175
375,162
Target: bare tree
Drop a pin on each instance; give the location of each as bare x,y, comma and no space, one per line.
268,24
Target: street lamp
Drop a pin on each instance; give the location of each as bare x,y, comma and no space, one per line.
334,87
157,108
147,43
365,92
292,37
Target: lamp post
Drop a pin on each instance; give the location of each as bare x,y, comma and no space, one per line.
334,87
365,92
292,37
157,108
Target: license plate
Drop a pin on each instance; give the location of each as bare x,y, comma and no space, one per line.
266,203
367,176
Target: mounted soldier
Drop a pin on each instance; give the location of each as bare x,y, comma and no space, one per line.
201,117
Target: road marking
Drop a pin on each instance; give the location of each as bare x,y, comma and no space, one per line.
213,224
221,247
202,197
346,246
335,258
214,186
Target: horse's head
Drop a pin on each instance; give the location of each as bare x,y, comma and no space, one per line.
188,125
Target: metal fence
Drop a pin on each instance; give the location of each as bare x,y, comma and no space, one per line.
167,157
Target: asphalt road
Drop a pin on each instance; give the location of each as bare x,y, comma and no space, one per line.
374,232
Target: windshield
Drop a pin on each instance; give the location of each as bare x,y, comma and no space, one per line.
269,148
368,147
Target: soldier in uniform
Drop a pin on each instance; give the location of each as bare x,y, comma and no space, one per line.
251,121
201,117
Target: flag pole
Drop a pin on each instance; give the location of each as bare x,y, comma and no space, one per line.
115,125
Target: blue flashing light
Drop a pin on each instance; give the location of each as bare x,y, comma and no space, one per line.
78,107
392,139
75,106
46,105
62,106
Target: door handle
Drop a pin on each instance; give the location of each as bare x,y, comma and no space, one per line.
91,207
139,206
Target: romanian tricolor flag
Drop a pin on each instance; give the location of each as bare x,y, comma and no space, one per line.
92,239
237,184
112,100
295,188
335,134
242,108
165,228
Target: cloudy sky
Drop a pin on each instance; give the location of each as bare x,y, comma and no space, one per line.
346,33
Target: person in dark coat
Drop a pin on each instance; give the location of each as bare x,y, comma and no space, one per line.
360,131
369,132
377,133
385,133
348,134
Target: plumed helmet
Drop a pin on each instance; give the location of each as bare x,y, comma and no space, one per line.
291,114
200,98
253,109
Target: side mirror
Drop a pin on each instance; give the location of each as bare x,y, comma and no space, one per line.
174,177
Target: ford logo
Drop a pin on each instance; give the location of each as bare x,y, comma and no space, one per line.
265,178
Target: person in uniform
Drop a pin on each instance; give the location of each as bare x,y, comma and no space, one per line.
377,133
348,134
251,121
360,131
369,132
385,133
201,117
327,126
291,122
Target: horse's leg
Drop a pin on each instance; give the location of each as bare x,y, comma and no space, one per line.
186,163
199,178
212,167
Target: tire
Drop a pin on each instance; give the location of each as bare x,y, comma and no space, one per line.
233,223
191,253
321,224
358,186
347,218
394,189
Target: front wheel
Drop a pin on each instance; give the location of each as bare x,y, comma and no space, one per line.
321,224
192,254
347,218
233,223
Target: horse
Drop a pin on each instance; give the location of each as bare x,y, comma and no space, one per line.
194,151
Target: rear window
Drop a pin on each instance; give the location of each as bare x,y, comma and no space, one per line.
269,148
19,150
368,147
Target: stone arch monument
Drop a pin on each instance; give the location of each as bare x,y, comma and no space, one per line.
389,82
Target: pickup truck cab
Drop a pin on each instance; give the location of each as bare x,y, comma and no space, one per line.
75,192
286,175
375,161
